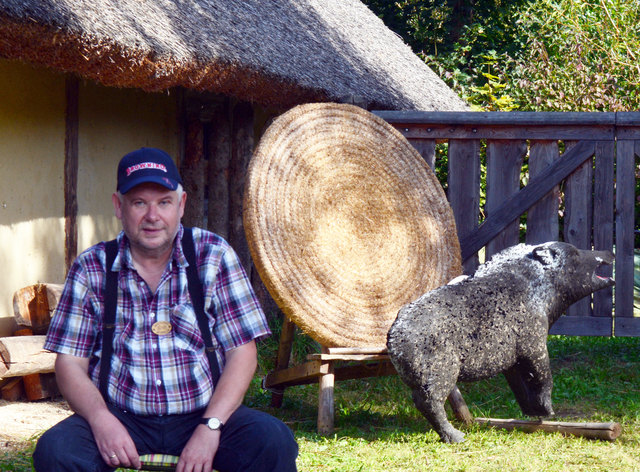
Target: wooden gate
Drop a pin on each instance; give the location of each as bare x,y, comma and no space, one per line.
547,176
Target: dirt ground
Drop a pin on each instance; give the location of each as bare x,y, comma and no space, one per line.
21,421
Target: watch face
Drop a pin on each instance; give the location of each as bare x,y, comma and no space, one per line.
214,423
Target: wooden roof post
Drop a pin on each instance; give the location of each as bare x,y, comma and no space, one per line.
71,172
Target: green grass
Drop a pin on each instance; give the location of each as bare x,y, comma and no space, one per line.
378,428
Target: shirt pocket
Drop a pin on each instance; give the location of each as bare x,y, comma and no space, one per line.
186,332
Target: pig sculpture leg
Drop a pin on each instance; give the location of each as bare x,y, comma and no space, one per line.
531,384
433,409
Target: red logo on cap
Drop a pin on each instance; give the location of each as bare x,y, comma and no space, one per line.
145,165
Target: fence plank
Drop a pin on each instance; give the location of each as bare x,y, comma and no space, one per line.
582,326
542,218
578,218
504,165
464,191
625,190
427,149
526,197
603,217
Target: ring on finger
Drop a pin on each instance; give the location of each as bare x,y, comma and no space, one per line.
113,456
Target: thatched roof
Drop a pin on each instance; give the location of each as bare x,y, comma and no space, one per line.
279,52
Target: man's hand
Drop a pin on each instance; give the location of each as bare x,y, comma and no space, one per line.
198,454
114,442
112,438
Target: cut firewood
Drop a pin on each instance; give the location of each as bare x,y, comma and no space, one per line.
24,355
13,390
33,305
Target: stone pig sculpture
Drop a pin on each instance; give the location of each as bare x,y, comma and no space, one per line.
495,321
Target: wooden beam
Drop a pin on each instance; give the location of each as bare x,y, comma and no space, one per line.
193,165
219,150
241,152
520,118
500,125
71,171
299,375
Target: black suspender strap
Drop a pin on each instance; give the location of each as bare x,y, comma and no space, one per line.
197,298
109,319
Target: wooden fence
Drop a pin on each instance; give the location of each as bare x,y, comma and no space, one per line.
572,176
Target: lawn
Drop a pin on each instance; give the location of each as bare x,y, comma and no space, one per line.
378,429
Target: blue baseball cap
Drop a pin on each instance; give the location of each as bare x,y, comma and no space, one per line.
147,165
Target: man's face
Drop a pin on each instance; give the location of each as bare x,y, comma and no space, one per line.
150,215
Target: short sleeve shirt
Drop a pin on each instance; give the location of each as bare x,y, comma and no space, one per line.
157,374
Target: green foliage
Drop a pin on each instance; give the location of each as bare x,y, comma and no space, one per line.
579,55
542,55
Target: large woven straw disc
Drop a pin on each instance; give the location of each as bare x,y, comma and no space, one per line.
345,222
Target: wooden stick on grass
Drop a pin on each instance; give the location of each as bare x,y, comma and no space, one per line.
604,431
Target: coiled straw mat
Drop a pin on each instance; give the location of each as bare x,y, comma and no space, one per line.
345,223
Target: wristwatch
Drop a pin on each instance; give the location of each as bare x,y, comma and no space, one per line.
212,423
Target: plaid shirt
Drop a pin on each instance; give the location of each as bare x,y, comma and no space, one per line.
157,374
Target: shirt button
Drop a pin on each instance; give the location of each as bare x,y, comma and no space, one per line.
152,315
155,346
158,382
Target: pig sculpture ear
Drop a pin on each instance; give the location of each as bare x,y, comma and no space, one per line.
545,255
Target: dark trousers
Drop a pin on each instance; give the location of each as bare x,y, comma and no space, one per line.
250,441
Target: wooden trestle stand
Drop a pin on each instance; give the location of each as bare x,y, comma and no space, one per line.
355,363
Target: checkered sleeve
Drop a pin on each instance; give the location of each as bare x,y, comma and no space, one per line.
239,318
74,326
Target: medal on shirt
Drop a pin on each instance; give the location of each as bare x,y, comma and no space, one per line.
161,328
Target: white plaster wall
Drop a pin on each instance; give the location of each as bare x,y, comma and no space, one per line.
31,180
112,122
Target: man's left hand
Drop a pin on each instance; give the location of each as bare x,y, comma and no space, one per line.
198,454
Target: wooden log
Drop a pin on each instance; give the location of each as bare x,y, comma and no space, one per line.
219,149
604,431
71,159
34,304
193,166
13,390
241,152
24,355
40,386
